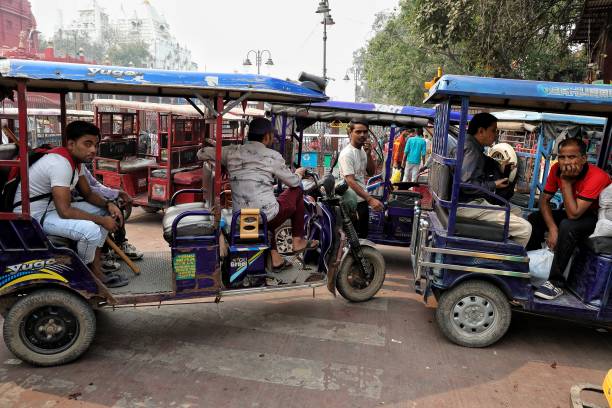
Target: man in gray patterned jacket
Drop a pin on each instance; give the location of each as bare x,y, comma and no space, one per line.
253,169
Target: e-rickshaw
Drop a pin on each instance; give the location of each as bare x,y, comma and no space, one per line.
43,124
475,272
393,225
48,296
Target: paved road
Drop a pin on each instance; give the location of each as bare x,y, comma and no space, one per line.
293,350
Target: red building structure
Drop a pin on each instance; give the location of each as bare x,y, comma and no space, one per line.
18,26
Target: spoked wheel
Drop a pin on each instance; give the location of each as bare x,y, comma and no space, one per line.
474,314
351,283
284,238
49,327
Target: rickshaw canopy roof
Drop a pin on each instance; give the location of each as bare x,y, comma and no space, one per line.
535,117
14,112
525,95
44,76
373,113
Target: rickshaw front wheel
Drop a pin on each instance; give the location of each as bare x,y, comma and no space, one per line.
49,327
474,314
350,282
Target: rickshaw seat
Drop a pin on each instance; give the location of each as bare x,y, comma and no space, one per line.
600,245
8,151
196,225
471,228
60,242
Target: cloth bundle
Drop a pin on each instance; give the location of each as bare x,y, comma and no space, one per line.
604,224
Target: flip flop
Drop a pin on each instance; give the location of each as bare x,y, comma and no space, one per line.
310,244
285,265
115,281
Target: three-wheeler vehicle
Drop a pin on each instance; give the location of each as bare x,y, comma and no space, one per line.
475,272
393,225
48,295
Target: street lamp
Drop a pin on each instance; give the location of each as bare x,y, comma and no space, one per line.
327,21
259,55
356,77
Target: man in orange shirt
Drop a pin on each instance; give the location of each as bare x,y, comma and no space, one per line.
398,149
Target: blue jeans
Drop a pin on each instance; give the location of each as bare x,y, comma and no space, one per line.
87,234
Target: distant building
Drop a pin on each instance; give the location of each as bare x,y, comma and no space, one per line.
18,25
142,23
594,30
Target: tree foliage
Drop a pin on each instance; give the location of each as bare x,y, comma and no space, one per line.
527,39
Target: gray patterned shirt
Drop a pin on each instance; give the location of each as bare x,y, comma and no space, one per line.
252,168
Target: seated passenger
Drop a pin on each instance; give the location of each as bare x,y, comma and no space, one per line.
482,131
52,180
580,184
252,168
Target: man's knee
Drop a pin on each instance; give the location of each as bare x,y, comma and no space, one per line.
91,232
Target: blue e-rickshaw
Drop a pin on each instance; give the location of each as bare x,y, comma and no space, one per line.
393,225
476,273
48,295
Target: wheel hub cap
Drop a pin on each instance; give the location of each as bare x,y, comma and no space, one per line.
473,314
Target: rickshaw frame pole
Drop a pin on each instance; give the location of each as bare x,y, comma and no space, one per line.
22,106
218,153
387,185
63,117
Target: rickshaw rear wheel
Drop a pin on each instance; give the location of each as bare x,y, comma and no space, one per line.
474,314
49,327
349,276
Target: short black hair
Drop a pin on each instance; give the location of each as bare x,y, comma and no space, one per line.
79,128
355,122
576,142
480,120
255,137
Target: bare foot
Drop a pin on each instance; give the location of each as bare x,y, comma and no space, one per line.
277,259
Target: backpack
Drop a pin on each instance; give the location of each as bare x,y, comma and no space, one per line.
10,178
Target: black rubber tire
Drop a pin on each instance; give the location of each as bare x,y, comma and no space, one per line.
80,310
150,210
361,295
497,329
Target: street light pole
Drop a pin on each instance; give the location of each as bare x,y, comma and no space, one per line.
356,77
259,55
327,21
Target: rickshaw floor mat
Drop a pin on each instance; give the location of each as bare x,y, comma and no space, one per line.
155,275
296,273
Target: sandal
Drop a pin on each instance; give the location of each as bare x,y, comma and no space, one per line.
310,244
115,281
285,265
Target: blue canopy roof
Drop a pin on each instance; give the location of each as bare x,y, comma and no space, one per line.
523,116
372,112
525,95
43,76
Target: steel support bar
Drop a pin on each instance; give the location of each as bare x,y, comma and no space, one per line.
476,254
487,271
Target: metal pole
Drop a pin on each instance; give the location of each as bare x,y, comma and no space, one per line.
324,48
218,153
258,61
63,117
22,109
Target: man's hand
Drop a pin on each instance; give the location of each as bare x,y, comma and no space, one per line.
109,224
115,213
570,171
553,235
375,204
300,171
367,147
502,183
125,197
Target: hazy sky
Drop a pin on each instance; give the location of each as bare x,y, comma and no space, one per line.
220,33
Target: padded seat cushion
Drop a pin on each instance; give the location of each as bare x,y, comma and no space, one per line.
8,151
471,228
196,225
129,165
187,178
403,199
600,245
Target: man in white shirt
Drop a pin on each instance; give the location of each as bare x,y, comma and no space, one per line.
53,178
253,169
355,161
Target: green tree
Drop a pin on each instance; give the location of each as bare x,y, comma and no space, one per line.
526,39
133,53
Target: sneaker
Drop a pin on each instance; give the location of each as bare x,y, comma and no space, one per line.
109,265
131,251
109,256
548,291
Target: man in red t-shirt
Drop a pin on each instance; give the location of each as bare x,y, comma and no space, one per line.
398,149
580,184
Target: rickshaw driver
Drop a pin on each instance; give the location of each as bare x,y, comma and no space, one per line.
87,222
580,183
354,162
252,168
482,131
